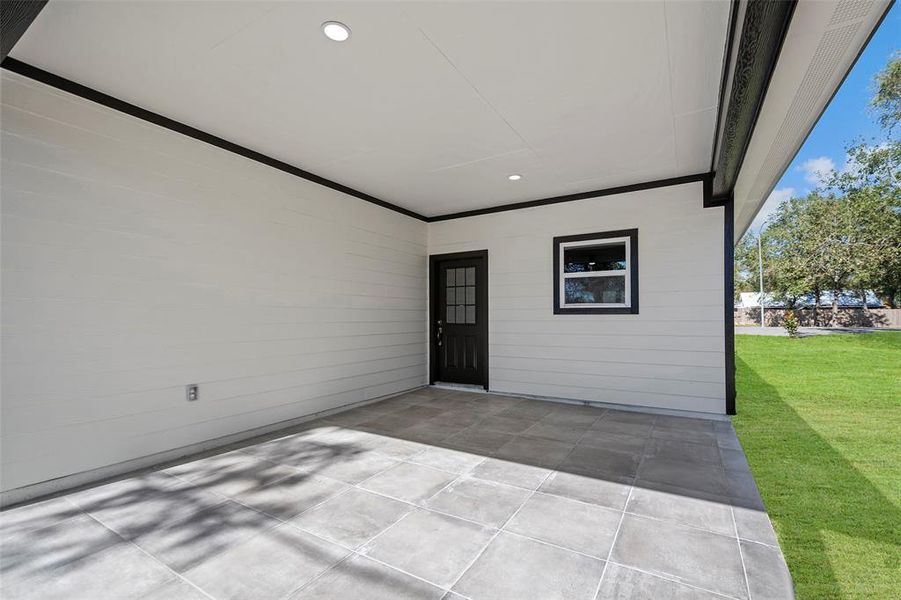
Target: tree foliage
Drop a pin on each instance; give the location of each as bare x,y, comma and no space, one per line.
844,235
887,97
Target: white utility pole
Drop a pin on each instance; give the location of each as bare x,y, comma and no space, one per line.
760,274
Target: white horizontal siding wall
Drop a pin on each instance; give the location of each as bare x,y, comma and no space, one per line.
136,261
670,355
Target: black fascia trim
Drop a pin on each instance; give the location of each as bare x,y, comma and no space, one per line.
82,91
16,16
709,200
632,309
724,78
90,94
481,286
729,301
763,33
623,189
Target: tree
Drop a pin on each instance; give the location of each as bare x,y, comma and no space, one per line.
886,100
745,272
847,233
796,250
871,188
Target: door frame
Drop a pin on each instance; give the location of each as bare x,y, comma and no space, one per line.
481,300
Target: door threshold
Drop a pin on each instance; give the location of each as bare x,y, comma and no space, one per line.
463,387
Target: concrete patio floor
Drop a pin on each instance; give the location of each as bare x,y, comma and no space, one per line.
432,494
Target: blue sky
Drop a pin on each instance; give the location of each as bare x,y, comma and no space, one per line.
847,118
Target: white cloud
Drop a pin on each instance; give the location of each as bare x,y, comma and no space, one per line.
817,170
773,201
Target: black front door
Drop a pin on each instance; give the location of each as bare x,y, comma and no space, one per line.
459,318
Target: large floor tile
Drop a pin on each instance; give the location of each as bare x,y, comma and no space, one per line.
131,510
478,441
578,417
556,431
601,462
120,572
623,583
435,547
403,498
357,468
511,473
352,518
420,412
684,451
360,578
26,554
232,473
176,589
400,448
768,577
690,436
734,460
36,516
633,429
609,492
409,482
534,451
594,438
269,565
290,496
433,431
517,567
187,543
586,528
505,424
700,558
754,524
390,424
445,459
702,478
704,512
529,409
629,416
673,423
478,500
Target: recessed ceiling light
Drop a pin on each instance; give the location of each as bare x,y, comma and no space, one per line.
514,177
335,31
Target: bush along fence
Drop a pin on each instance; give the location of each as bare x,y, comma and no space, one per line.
824,317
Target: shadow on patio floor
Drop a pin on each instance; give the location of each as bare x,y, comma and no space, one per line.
428,492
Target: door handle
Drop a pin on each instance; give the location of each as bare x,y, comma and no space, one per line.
440,332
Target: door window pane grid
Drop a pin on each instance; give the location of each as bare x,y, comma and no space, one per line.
460,295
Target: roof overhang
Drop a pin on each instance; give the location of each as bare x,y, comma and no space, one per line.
613,102
822,43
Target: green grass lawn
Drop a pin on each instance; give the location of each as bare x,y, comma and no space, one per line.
820,421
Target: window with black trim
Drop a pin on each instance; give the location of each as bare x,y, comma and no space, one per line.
596,273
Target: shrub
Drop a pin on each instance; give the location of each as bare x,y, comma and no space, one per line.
790,322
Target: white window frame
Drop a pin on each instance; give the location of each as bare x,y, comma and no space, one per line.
625,273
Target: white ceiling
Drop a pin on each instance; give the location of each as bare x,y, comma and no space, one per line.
429,105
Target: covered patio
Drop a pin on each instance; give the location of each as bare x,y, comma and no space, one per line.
435,493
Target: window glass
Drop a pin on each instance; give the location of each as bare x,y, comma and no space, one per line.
461,314
583,259
451,277
596,273
470,314
451,314
595,290
470,276
451,295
